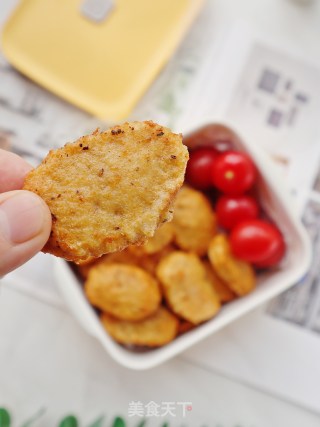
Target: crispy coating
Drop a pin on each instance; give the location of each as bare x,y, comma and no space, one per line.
84,267
162,237
155,331
149,262
132,255
124,291
185,326
122,257
186,287
239,275
194,221
223,291
110,189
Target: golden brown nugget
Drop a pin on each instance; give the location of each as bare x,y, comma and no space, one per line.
84,267
185,326
155,331
194,221
186,288
223,291
124,291
148,263
132,255
162,237
239,275
122,257
110,189
166,251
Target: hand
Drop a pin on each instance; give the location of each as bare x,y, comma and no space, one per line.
25,220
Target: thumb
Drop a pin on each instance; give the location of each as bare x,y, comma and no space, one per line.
25,224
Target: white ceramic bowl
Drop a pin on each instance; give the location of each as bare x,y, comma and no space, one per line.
278,205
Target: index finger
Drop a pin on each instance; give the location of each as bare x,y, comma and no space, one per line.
13,170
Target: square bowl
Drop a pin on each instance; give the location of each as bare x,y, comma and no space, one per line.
276,202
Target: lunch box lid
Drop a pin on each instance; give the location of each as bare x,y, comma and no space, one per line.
100,55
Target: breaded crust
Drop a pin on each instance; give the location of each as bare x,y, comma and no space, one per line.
194,221
239,275
186,288
156,330
122,257
185,326
162,237
110,189
124,291
132,255
223,291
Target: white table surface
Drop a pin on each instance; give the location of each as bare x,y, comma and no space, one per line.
47,360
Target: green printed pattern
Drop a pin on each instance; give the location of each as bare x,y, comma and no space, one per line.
72,421
69,421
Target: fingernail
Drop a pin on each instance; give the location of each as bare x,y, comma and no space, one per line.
21,217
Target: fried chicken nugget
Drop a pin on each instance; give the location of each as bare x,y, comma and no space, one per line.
122,257
132,255
110,189
149,262
186,287
194,221
84,267
223,291
162,237
239,275
154,331
124,291
185,326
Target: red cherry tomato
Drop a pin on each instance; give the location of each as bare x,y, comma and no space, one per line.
231,210
233,173
199,168
259,242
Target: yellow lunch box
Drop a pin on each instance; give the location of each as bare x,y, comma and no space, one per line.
100,55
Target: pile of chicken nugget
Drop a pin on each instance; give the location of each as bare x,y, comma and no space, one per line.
148,295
